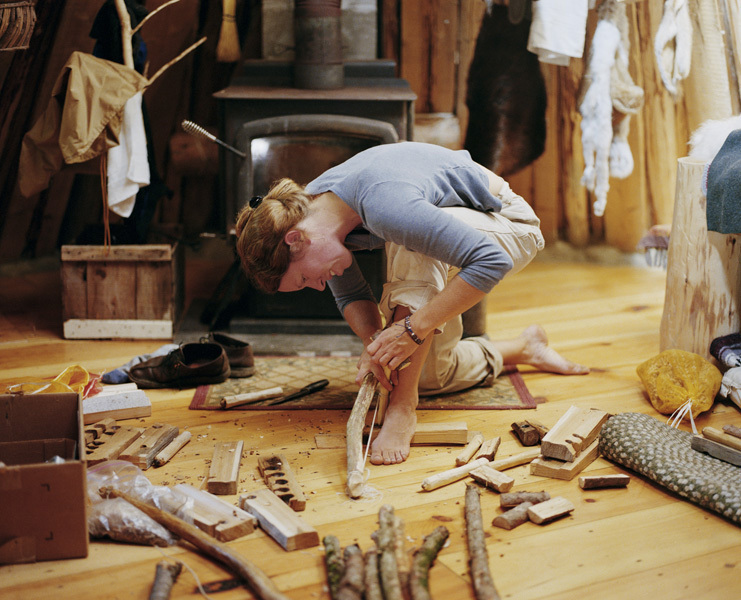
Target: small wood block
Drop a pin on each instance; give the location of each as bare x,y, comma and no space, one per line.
467,453
516,460
550,510
146,447
164,455
560,469
515,498
526,433
573,433
732,430
217,517
224,471
440,433
125,405
540,428
112,448
513,517
281,480
716,450
722,438
598,482
492,478
489,448
279,521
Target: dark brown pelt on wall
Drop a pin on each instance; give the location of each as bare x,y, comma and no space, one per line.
506,97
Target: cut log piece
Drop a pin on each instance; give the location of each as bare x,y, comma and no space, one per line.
526,433
165,455
492,478
514,517
279,521
598,482
550,510
470,449
573,433
514,498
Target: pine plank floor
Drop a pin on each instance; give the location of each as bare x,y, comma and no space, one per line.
639,542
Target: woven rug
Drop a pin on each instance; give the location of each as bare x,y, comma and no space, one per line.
294,372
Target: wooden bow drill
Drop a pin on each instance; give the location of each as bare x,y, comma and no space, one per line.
355,424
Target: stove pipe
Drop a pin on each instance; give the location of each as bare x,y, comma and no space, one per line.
318,63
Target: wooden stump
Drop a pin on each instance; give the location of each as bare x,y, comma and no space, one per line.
703,280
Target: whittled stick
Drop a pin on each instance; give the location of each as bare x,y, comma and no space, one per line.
514,517
164,578
516,460
354,431
470,449
250,397
515,498
334,562
440,479
352,586
732,430
483,584
424,556
259,583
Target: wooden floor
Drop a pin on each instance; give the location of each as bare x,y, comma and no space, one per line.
639,542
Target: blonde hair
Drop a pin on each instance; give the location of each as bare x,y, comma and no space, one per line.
261,233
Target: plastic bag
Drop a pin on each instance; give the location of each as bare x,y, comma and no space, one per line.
117,519
72,379
674,377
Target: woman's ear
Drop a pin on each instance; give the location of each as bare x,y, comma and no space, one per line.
293,237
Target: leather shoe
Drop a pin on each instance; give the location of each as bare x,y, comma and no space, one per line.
239,353
189,365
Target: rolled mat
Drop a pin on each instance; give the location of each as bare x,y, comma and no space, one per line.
664,454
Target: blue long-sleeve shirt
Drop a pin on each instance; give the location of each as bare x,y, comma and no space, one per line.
398,190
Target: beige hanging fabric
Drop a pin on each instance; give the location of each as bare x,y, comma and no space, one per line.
82,120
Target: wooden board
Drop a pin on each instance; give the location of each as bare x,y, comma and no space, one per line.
560,469
279,521
144,449
112,448
125,405
223,474
215,516
281,480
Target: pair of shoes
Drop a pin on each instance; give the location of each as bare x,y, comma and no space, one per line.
239,353
189,365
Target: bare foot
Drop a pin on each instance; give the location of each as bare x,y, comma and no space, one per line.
539,354
391,446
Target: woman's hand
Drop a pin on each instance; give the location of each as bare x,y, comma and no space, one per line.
366,365
392,346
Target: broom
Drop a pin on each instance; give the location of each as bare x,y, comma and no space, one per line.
227,50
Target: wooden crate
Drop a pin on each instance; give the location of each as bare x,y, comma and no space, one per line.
133,291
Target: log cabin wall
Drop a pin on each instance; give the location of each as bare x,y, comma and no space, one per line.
432,42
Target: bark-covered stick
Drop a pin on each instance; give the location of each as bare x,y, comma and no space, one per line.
164,578
424,556
387,565
510,499
371,576
478,557
352,585
403,562
334,562
259,583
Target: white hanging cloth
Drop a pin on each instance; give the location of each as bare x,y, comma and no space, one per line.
557,30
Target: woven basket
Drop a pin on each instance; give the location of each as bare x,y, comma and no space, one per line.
17,20
665,455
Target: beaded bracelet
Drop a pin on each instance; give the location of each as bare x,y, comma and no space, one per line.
410,331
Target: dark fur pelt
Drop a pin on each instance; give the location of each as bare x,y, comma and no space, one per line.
506,97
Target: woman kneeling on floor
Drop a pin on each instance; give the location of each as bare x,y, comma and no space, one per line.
451,229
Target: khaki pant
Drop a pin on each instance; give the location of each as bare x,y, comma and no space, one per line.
455,364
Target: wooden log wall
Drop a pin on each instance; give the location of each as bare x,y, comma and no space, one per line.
432,42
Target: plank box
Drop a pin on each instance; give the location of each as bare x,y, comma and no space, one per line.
122,292
43,515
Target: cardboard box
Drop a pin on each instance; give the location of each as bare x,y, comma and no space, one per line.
43,505
128,291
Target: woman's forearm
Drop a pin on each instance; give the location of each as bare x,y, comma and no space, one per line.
364,319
